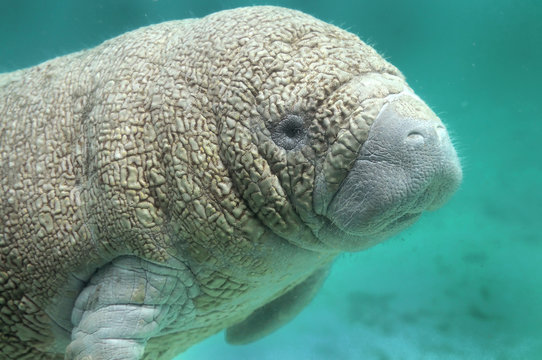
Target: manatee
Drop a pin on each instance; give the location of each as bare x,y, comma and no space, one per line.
200,175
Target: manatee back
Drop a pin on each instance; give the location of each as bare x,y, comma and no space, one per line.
55,128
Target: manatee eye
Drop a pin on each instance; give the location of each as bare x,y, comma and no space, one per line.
290,133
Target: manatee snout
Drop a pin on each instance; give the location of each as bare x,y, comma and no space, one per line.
406,166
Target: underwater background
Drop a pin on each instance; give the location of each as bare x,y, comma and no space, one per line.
465,282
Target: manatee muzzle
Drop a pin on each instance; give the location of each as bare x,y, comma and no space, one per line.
407,165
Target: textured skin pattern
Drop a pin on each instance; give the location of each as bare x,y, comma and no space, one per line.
158,144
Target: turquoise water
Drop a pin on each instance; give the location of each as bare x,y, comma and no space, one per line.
466,281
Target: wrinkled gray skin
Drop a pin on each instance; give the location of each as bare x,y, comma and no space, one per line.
198,175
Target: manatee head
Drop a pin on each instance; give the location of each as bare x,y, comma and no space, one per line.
323,138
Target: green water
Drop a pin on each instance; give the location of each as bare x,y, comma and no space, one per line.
466,281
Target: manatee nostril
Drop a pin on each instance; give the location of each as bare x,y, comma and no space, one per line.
415,137
441,131
425,133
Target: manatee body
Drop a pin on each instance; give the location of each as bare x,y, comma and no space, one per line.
200,175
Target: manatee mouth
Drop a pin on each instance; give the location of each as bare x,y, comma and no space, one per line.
407,218
406,166
347,240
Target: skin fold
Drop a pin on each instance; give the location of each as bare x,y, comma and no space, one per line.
200,175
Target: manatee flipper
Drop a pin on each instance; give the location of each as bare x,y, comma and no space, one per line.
278,312
127,302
